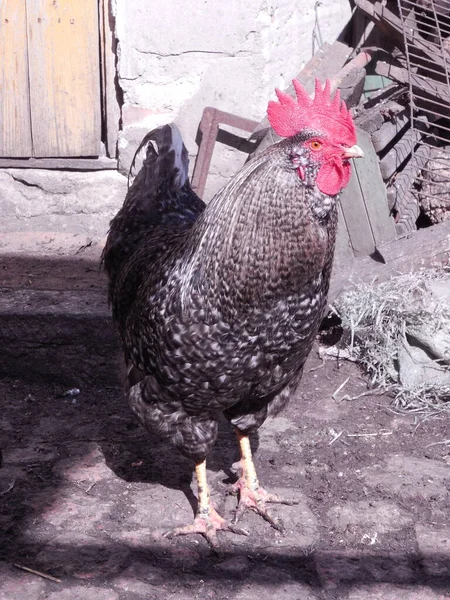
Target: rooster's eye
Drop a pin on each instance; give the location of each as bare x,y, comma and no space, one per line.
315,145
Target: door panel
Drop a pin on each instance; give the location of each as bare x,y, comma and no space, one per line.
15,124
64,75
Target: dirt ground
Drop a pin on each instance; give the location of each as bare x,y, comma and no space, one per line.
85,495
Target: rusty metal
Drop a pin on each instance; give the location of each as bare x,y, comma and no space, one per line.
212,118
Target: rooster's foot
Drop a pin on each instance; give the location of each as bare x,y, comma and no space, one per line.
207,523
257,500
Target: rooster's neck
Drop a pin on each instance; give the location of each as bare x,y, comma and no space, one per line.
263,234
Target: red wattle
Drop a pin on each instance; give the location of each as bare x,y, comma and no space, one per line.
332,177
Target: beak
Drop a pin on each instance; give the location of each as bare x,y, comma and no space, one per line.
353,152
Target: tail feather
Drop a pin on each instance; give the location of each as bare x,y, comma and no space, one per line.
159,200
161,151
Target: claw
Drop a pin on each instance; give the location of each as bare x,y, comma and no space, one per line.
207,525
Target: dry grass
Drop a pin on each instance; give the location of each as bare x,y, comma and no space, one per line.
376,318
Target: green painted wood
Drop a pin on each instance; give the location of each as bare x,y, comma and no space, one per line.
356,218
373,190
344,250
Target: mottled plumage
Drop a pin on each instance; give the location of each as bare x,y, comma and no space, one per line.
218,307
218,314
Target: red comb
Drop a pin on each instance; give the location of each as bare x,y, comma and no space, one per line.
323,113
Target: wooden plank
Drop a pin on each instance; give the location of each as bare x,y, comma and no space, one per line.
64,68
15,123
420,249
78,164
108,58
374,192
352,87
343,252
355,217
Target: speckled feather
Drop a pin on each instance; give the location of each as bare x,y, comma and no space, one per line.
218,308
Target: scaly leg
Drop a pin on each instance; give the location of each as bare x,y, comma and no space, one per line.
207,520
251,495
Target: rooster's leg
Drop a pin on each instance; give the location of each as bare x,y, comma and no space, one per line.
207,520
251,494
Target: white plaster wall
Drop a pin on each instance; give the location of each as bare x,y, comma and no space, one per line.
177,56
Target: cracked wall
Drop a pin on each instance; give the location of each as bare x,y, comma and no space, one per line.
176,57
59,201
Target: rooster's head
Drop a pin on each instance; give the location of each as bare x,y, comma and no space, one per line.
323,133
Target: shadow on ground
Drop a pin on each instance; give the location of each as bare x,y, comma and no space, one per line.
86,493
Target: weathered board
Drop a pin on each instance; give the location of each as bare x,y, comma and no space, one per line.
343,253
355,218
15,126
374,192
64,73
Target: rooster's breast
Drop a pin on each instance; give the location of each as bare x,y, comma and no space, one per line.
210,363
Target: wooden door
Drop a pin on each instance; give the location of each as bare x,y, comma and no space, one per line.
60,55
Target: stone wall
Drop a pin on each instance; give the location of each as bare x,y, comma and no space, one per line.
59,201
176,57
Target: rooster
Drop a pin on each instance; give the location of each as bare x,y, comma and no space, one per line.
218,306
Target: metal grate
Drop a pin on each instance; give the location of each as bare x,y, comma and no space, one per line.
426,32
